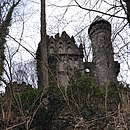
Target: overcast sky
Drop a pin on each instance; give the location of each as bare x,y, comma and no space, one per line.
64,15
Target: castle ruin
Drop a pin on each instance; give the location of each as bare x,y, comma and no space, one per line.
68,57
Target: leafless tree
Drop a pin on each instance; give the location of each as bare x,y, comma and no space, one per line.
6,11
25,72
42,52
117,12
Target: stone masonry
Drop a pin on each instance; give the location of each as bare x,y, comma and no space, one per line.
69,56
104,68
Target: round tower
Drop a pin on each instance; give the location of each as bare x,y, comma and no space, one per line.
103,56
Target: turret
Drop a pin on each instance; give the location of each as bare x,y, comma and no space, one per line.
103,56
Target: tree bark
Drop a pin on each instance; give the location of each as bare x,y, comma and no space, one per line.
42,58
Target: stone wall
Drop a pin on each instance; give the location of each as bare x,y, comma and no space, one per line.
69,56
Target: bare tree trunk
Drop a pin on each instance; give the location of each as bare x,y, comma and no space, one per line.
42,51
4,30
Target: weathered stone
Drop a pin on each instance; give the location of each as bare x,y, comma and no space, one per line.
103,57
69,55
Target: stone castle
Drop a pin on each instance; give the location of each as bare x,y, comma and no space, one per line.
69,57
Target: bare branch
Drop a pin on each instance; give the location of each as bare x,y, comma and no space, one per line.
112,15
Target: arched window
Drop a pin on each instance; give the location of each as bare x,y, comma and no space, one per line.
52,43
60,43
87,70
